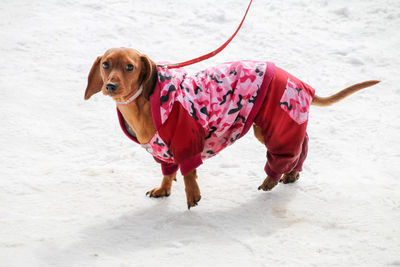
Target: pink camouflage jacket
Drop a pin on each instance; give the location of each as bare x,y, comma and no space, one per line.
198,116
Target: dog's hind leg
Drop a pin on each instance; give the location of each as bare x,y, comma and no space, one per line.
165,189
258,134
287,178
268,183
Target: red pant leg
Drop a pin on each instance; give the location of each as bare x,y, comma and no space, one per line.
303,154
285,138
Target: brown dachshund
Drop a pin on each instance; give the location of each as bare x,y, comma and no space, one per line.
122,72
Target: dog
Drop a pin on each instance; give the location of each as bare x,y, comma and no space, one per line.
182,120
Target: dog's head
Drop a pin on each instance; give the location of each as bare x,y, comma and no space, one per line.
119,73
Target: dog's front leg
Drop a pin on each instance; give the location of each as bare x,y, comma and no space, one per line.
165,189
192,189
268,184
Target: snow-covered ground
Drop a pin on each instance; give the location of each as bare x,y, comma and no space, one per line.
72,186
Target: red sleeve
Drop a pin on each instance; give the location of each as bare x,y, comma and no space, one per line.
167,168
184,137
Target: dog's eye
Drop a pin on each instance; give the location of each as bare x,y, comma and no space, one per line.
129,67
106,65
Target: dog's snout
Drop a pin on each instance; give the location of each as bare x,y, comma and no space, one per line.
111,87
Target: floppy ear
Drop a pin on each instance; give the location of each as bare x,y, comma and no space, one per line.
148,73
95,82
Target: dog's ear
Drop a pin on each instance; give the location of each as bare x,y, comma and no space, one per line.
147,76
95,82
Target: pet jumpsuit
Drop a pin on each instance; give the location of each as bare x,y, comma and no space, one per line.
197,116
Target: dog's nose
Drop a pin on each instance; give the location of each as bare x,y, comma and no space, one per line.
111,87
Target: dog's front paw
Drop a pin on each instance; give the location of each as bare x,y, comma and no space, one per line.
192,193
290,177
192,189
165,189
268,184
159,192
193,199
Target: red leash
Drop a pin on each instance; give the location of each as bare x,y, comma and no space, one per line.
211,54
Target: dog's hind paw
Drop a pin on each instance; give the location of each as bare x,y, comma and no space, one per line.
193,203
268,184
290,177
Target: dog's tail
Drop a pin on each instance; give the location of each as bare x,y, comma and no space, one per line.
327,101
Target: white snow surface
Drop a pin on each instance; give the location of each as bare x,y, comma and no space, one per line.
72,186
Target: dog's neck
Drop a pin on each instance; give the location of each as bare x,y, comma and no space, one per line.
138,113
